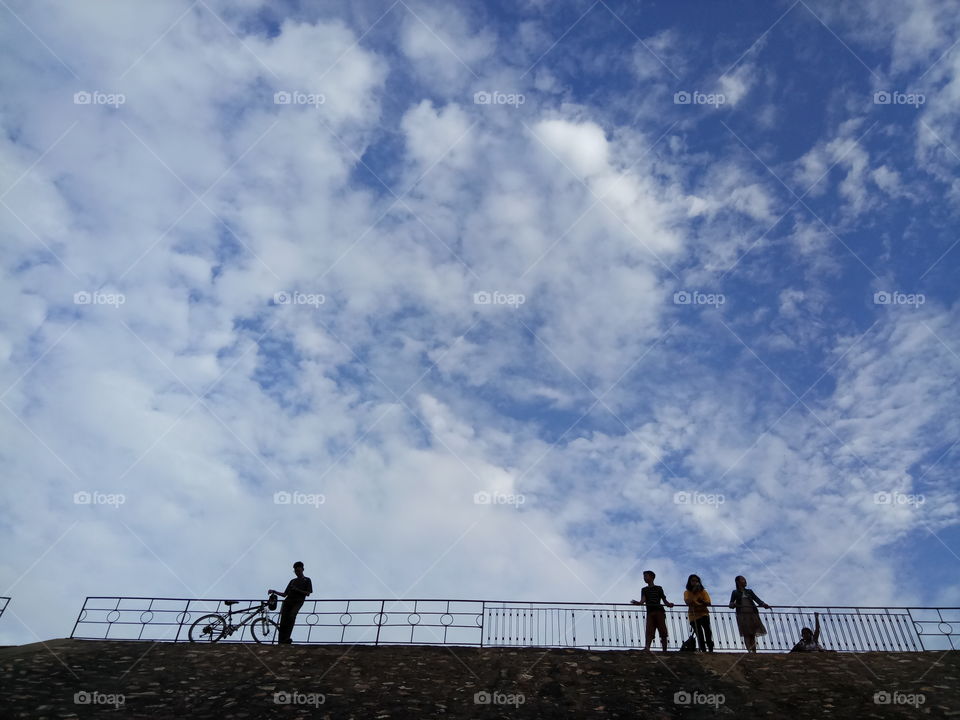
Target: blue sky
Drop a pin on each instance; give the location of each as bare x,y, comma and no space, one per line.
718,244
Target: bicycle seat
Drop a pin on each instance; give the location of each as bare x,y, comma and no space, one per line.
230,602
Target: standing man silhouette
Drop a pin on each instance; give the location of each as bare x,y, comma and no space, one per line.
293,597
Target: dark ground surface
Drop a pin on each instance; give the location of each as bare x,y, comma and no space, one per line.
147,680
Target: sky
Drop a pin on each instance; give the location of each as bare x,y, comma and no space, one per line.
500,300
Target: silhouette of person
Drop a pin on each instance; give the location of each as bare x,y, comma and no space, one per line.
810,639
746,601
293,598
652,596
698,600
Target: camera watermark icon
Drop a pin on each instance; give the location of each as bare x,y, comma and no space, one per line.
498,98
895,97
96,97
683,697
898,498
292,697
84,497
285,297
296,97
99,298
695,297
683,97
483,297
886,297
283,497
498,498
698,498
899,698
92,697
485,697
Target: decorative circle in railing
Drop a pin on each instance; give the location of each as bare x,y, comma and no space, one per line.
113,616
183,617
83,616
411,620
446,619
346,619
948,626
380,619
479,620
313,619
918,627
146,616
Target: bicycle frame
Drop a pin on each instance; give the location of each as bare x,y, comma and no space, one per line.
254,612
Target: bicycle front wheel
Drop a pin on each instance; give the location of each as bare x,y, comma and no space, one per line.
264,630
208,628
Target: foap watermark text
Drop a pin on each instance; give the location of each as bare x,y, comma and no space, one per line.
85,497
695,297
498,498
284,497
295,297
296,97
895,297
498,98
495,297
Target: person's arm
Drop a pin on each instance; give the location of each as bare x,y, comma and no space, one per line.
687,595
705,599
276,592
733,599
760,602
309,586
816,628
285,592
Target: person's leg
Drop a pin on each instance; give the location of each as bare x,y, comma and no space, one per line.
651,629
286,623
698,630
707,632
662,628
294,610
751,642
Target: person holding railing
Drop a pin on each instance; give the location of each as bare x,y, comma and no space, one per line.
652,596
810,639
293,598
746,601
698,600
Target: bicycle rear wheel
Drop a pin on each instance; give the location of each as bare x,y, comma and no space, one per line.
264,630
208,628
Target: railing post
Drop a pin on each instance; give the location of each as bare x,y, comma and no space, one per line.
82,610
379,622
483,619
913,628
183,616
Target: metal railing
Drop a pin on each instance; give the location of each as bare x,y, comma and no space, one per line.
4,601
502,623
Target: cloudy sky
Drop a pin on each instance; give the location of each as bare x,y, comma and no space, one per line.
505,300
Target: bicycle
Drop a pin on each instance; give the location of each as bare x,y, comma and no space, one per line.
216,626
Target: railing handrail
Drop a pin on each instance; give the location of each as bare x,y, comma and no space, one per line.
513,602
526,623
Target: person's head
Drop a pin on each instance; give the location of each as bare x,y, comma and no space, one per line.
649,576
740,581
298,568
806,634
694,584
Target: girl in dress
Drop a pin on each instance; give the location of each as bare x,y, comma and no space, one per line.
746,601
